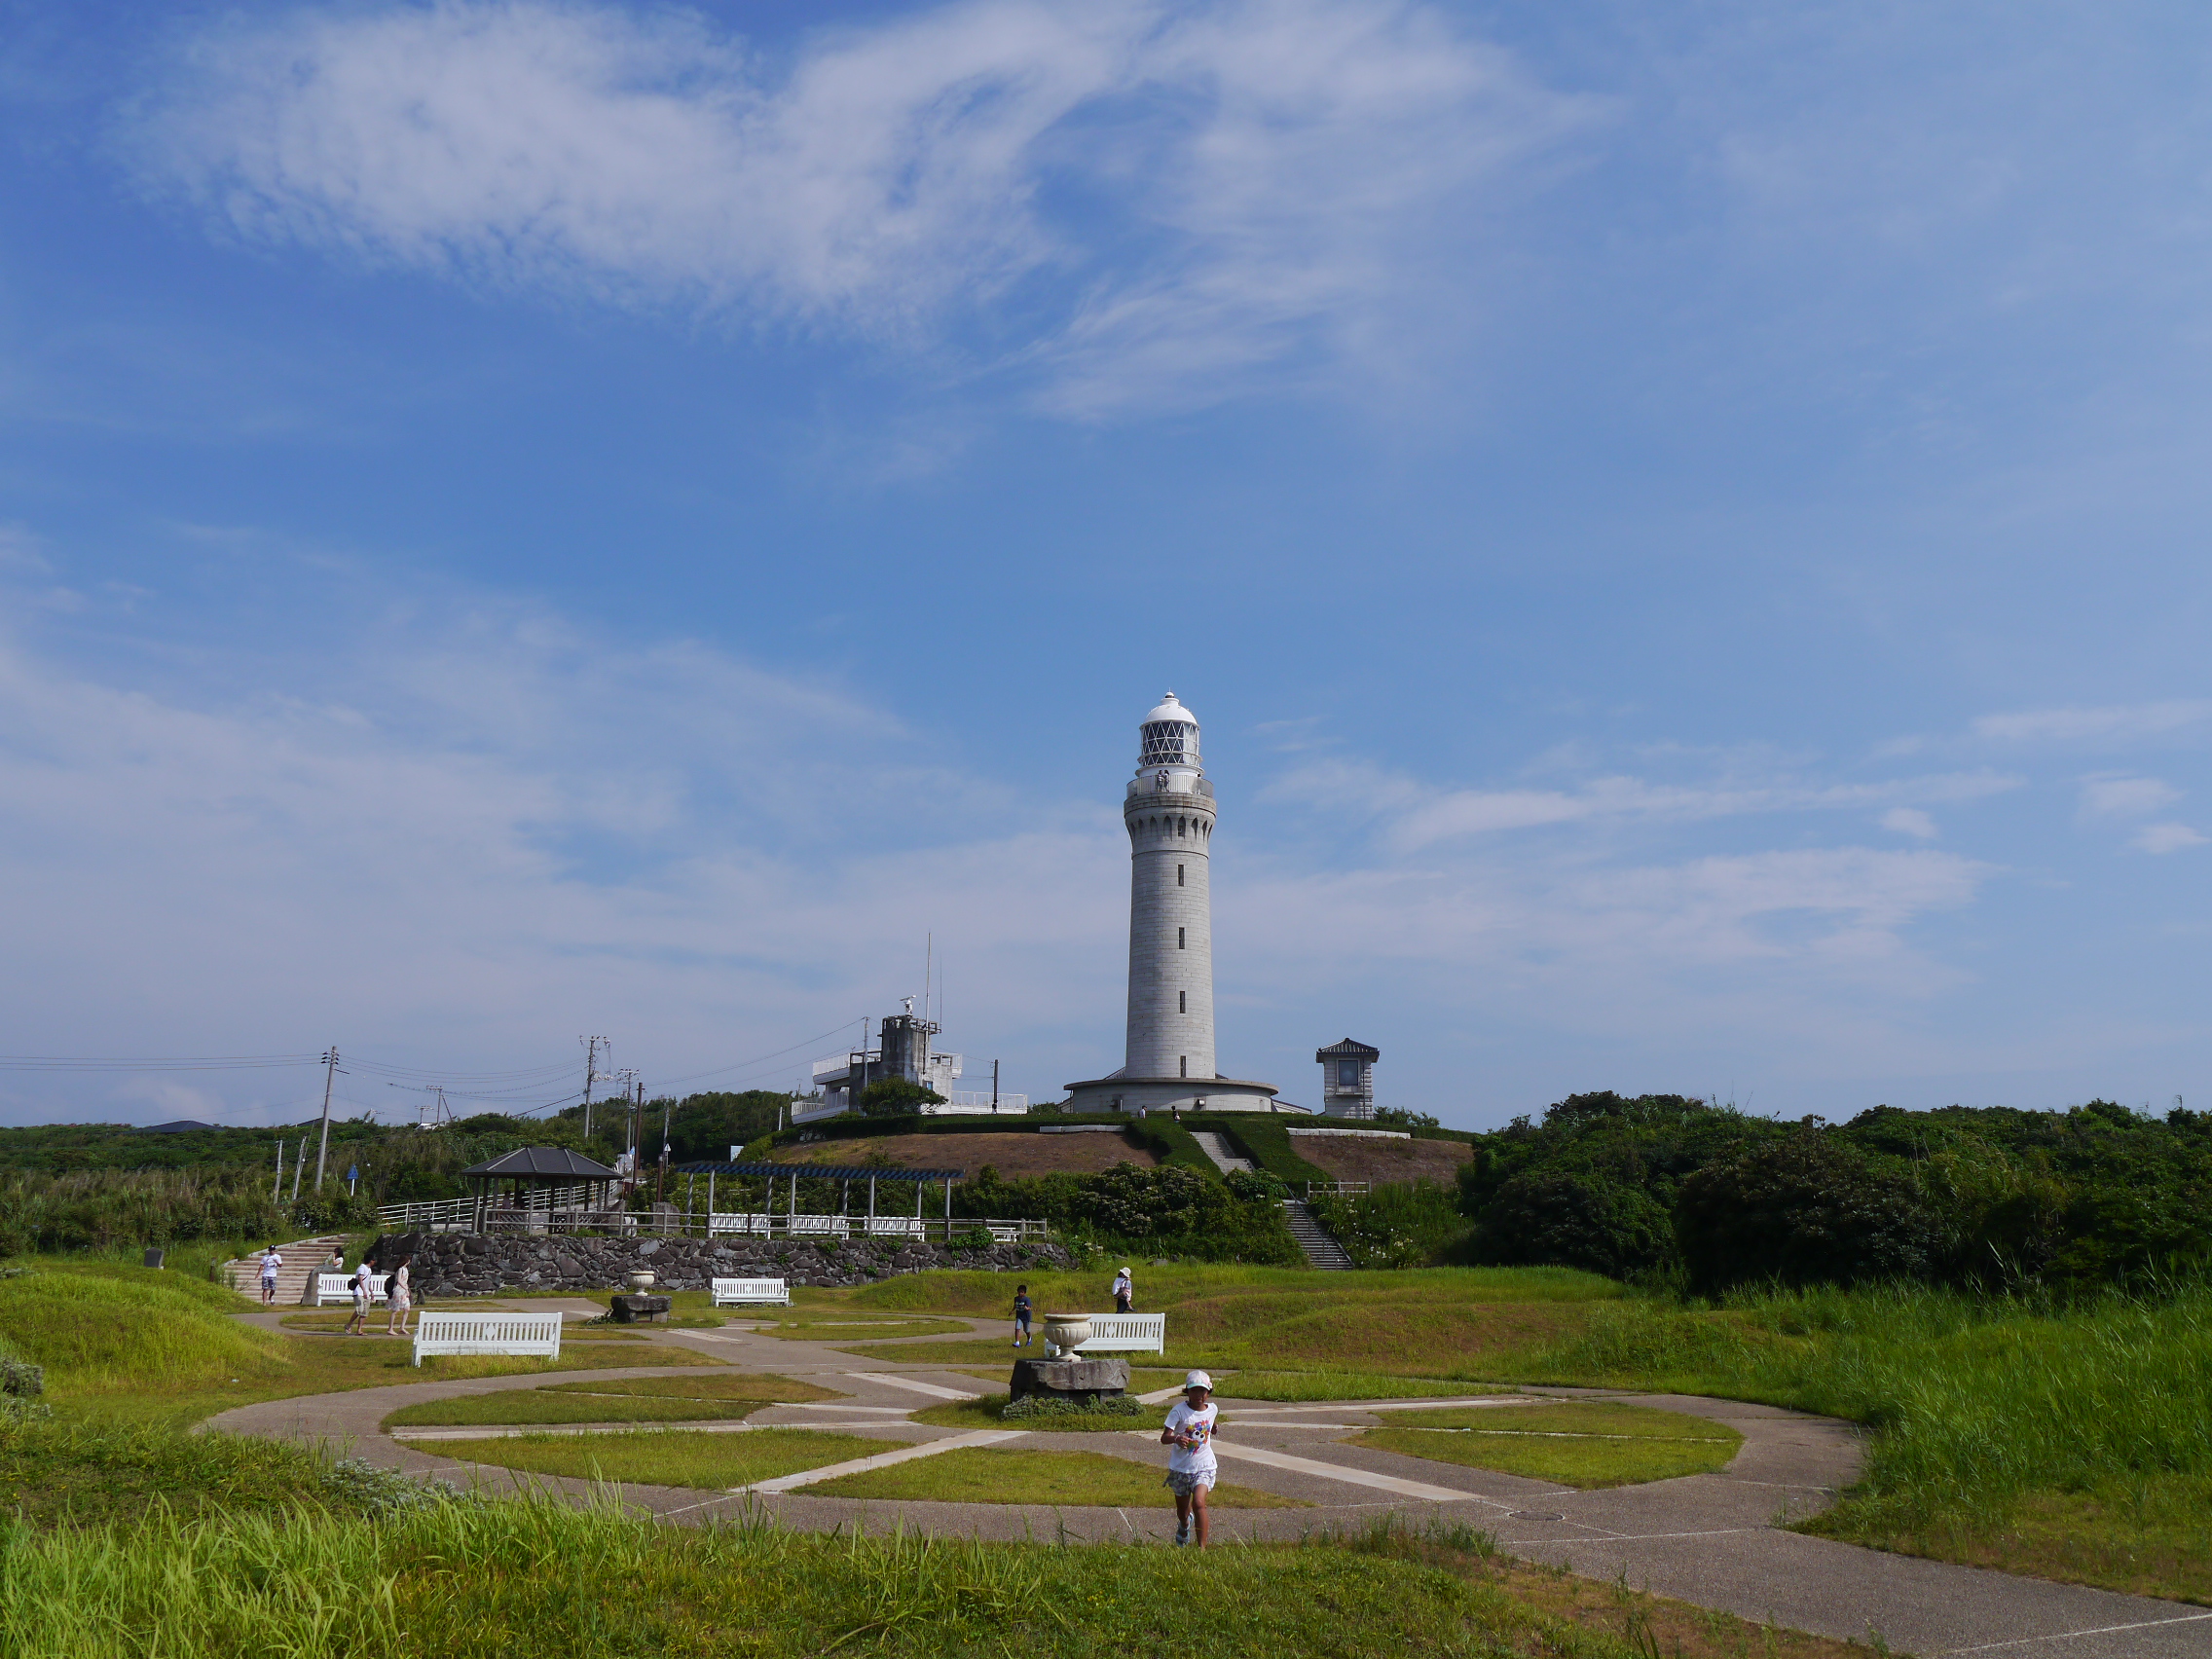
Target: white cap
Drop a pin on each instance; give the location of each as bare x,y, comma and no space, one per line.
1172,710
1198,1379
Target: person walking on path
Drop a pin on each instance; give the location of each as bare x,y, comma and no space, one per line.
1124,1292
364,1288
271,1261
397,1300
1022,1312
1192,1465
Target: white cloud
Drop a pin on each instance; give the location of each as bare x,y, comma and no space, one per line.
2166,839
2126,797
1418,815
1258,181
1909,820
2083,725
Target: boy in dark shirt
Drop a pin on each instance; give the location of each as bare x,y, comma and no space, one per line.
1021,1316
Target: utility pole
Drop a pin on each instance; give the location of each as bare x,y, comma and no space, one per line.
592,1046
666,1111
994,1088
329,1076
277,1191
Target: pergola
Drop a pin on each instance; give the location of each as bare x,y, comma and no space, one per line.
847,1174
536,1170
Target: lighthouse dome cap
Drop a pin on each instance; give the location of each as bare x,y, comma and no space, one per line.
1170,710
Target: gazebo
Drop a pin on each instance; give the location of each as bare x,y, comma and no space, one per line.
539,1180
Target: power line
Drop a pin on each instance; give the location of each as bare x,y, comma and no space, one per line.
747,1065
206,1062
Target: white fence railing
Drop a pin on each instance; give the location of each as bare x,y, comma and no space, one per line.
465,1215
1337,1189
436,1215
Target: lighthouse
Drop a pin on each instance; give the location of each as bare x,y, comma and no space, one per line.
1168,1056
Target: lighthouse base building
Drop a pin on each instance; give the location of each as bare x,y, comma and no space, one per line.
1169,811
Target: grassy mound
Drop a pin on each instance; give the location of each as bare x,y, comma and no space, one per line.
101,1329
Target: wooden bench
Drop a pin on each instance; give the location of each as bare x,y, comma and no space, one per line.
339,1287
750,1293
529,1335
1126,1333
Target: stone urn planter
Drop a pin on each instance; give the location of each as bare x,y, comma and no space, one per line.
1066,1332
642,1280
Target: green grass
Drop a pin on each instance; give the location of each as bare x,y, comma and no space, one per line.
98,1327
976,1353
674,1457
489,1580
984,1414
850,1330
1577,1444
707,1386
1296,1385
689,1400
1004,1474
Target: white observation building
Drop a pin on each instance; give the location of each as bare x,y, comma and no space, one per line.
1169,1060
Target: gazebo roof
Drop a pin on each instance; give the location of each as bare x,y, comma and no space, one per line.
824,1171
542,1163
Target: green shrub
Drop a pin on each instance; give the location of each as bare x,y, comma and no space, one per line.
1576,1220
1807,1210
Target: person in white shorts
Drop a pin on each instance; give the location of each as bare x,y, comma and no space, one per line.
364,1289
1190,1465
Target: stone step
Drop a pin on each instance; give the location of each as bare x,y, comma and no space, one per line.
1319,1246
1214,1147
304,1258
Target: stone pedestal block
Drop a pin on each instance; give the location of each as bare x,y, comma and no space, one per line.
629,1310
1087,1380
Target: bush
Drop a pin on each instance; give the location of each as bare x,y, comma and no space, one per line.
1403,1224
1571,1219
896,1097
1808,1210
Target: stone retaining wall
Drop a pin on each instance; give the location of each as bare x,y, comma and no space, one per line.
459,1264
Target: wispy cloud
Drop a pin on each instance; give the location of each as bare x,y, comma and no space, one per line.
1909,820
2126,797
2166,839
1418,815
2090,724
1138,202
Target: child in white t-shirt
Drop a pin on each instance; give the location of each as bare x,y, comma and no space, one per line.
1190,1465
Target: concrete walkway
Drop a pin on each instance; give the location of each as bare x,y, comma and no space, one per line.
1714,1540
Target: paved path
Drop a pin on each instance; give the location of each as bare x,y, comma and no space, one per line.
1714,1540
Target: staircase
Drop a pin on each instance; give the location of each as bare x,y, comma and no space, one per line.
1214,1147
303,1260
1320,1247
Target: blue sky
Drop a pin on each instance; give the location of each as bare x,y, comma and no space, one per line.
1684,526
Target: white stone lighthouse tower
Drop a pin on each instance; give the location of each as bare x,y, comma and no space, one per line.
1169,811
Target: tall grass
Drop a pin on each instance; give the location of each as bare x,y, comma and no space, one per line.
1978,1399
467,1580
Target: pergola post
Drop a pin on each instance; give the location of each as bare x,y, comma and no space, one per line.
949,1209
872,1206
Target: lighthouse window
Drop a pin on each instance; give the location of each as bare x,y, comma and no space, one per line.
1348,1074
1178,875
1182,1065
1182,1001
1181,825
1179,945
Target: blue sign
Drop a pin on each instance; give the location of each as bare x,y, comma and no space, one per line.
352,1172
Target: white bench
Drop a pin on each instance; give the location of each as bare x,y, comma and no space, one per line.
531,1335
746,1293
1126,1333
722,1226
895,1226
815,1226
339,1287
1006,1234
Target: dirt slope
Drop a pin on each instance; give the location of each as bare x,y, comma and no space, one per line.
1354,1158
